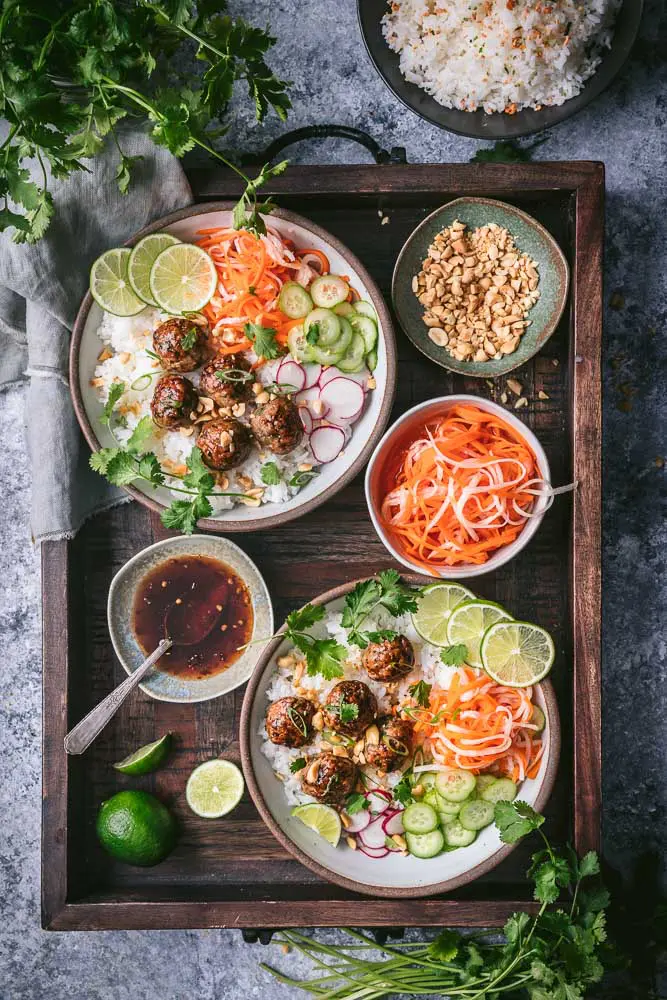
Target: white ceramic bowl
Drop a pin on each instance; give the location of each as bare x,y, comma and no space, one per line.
403,432
394,875
159,684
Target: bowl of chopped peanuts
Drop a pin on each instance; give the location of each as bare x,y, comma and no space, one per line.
480,286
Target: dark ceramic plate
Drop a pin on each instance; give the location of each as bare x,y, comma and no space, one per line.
529,236
478,124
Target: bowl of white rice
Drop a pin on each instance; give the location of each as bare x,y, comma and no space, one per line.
498,69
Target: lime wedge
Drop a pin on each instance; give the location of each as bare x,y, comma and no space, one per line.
214,788
517,654
322,819
147,758
142,258
468,623
110,286
183,278
436,604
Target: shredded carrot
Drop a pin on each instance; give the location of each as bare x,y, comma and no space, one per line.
463,489
479,725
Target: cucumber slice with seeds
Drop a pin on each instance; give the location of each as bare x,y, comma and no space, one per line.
457,835
484,781
354,356
366,329
294,300
455,785
329,291
326,325
475,815
345,309
419,818
366,309
425,845
502,790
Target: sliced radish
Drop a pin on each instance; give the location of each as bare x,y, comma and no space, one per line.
393,824
313,374
291,373
373,852
306,419
359,821
327,443
330,373
378,802
317,407
343,396
373,835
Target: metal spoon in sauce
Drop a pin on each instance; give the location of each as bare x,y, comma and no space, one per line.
182,627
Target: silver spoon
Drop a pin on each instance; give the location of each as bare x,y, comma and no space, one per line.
82,735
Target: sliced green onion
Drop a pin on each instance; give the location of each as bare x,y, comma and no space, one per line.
142,382
234,375
300,479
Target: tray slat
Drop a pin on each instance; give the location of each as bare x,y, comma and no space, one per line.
234,873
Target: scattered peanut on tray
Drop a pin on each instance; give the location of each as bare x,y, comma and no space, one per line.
477,289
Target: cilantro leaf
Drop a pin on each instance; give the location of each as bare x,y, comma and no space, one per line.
116,390
297,765
355,803
360,602
550,876
387,591
421,692
140,435
124,171
380,635
345,710
270,474
454,656
325,656
99,460
183,515
515,819
121,469
189,339
305,617
199,477
403,791
313,334
263,341
397,597
149,468
589,865
445,947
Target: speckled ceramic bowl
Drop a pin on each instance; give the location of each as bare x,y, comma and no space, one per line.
164,686
530,237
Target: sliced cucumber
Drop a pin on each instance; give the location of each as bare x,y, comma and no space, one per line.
294,300
366,309
538,718
425,845
297,343
426,779
372,360
329,291
484,781
431,798
457,835
324,355
419,818
354,357
445,808
476,814
502,790
325,324
366,329
344,309
455,785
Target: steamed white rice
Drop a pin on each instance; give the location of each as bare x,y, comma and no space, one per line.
500,55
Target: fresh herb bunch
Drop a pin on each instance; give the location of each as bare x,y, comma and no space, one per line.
555,955
387,591
71,70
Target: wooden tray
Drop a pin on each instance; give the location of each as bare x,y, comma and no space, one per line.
232,873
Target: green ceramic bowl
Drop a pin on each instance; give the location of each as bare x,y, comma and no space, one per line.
529,236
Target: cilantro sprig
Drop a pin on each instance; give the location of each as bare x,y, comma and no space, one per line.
73,69
323,656
387,591
263,339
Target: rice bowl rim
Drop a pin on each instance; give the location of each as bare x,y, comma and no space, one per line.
386,390
248,739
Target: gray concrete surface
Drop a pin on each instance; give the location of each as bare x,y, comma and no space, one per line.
320,50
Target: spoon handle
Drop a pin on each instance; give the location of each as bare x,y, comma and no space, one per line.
83,734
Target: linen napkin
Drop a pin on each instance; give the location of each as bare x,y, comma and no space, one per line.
41,287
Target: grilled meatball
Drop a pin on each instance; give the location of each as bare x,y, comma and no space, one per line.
277,425
225,391
173,401
339,708
224,443
394,745
180,344
289,721
329,778
388,660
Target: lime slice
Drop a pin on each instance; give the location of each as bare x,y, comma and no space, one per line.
110,286
142,258
147,758
214,788
183,278
517,654
322,819
468,623
436,604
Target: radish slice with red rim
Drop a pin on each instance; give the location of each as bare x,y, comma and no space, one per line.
358,821
378,802
373,836
306,419
393,824
330,373
326,443
291,373
317,407
373,852
344,397
313,373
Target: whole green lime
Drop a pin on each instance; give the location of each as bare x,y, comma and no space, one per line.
137,828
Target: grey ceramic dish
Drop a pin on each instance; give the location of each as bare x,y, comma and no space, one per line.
159,684
530,237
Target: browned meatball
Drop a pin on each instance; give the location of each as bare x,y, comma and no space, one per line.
180,344
350,708
174,399
277,425
224,443
226,390
394,745
289,721
329,778
389,659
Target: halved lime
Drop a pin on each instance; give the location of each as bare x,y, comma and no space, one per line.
142,258
517,654
320,818
468,623
183,278
214,788
110,285
147,758
435,606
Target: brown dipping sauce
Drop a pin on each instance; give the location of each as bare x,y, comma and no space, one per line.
195,592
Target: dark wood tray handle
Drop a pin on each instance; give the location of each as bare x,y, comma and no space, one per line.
264,935
395,155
